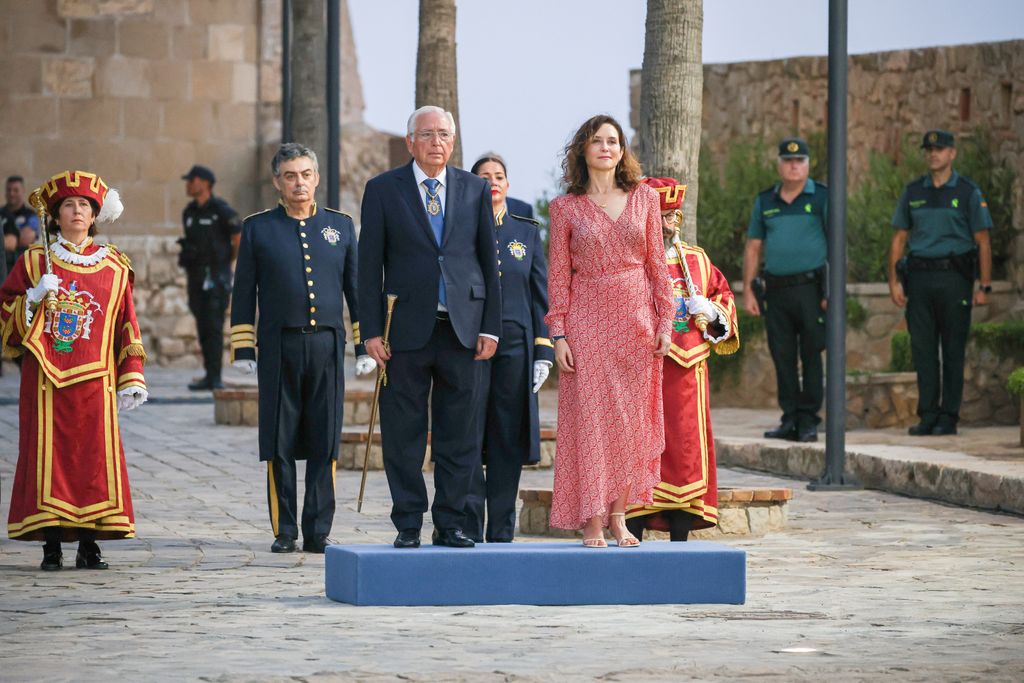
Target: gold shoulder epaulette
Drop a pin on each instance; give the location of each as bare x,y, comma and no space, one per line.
337,211
116,251
256,214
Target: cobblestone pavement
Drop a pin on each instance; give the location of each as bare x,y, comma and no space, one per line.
869,584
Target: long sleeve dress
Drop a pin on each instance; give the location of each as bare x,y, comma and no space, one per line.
71,471
610,295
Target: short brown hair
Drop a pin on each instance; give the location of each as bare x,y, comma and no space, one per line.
574,165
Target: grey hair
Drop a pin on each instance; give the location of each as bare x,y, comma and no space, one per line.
289,151
410,127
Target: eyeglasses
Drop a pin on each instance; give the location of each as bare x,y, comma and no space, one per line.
442,135
670,218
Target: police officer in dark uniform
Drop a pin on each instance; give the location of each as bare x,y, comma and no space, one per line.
210,244
944,223
787,226
296,263
508,383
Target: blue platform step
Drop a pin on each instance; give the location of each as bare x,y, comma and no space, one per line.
697,572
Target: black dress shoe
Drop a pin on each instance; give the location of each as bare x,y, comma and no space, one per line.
317,544
807,435
206,384
53,558
786,430
453,538
944,429
88,556
283,544
921,429
408,538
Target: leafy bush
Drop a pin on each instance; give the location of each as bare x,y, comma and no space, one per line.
1005,339
1015,383
900,359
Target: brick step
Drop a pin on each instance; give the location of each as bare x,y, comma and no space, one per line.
741,512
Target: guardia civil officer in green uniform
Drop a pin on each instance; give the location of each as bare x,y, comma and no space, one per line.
296,263
943,222
787,228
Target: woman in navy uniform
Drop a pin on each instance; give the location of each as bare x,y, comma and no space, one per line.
509,382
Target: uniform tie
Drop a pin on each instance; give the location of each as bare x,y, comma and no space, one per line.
437,225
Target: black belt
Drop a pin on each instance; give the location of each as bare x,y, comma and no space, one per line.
442,315
921,263
781,281
307,329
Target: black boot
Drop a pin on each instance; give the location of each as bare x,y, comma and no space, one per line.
53,558
679,525
88,556
636,526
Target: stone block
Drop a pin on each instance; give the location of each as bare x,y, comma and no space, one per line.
187,121
141,118
144,37
250,413
758,519
212,80
101,117
170,80
189,42
777,517
224,11
244,83
119,160
164,162
23,75
226,42
733,520
171,12
122,77
234,121
270,84
92,38
68,77
148,205
44,30
92,9
170,347
29,116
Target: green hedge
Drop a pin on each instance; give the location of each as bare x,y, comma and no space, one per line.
1005,339
1015,383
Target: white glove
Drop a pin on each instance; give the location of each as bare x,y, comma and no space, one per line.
245,365
701,305
365,365
541,370
131,398
47,283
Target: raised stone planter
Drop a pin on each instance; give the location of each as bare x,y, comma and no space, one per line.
741,512
240,406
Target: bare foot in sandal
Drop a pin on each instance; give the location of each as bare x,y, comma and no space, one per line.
617,525
593,534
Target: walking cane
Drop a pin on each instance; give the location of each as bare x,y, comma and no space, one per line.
382,378
39,204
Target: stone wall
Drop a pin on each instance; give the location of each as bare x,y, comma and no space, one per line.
892,96
881,400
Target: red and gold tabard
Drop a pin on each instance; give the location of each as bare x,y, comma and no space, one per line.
688,469
71,470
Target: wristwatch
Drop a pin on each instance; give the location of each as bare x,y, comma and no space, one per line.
987,289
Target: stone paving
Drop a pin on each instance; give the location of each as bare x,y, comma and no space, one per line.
859,585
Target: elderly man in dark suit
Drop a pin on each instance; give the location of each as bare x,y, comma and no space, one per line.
428,237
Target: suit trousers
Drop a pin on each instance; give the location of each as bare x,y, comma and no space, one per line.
939,315
306,415
443,372
795,327
504,431
208,306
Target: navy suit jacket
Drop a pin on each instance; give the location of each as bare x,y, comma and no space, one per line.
398,254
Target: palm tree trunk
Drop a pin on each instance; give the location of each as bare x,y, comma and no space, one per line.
309,81
437,81
671,91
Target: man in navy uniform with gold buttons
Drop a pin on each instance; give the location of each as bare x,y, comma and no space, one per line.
788,225
944,222
295,264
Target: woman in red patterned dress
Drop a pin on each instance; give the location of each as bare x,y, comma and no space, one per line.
611,318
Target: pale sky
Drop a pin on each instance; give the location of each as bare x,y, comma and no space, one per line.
531,71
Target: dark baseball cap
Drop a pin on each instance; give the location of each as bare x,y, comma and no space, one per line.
938,138
793,148
198,171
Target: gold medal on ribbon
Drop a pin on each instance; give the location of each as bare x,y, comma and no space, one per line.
433,206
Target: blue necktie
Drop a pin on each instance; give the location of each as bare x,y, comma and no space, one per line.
437,225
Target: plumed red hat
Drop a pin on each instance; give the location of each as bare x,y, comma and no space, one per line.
670,192
81,184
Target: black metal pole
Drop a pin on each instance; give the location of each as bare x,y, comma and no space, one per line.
834,478
286,71
333,103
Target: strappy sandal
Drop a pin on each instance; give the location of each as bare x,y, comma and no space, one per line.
595,542
627,540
